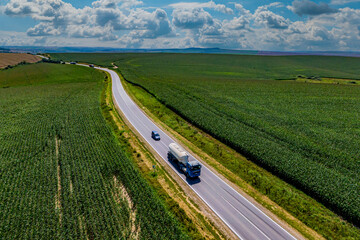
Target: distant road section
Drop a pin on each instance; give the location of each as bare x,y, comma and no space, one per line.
11,59
241,216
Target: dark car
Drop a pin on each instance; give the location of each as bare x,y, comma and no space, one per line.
155,135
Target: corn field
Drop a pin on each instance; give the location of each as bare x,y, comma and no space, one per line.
307,134
63,174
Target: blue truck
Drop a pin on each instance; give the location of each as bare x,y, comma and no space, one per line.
178,155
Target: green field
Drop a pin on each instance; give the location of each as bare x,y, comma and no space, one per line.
222,67
308,134
63,174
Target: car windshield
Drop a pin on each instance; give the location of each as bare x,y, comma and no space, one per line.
156,134
196,167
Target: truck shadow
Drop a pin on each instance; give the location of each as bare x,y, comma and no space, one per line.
190,181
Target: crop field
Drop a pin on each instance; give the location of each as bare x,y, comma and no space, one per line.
222,67
308,134
7,59
63,174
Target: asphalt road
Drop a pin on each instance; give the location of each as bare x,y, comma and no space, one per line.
240,215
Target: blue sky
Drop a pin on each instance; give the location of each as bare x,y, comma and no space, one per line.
259,25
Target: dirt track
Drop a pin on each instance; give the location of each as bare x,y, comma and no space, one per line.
15,58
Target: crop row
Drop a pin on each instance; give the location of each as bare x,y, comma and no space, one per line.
58,161
305,133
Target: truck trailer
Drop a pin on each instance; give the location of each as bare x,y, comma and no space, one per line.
178,155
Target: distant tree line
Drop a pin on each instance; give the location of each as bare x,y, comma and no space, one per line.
20,63
51,61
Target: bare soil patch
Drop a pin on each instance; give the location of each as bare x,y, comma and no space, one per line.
121,193
58,194
15,58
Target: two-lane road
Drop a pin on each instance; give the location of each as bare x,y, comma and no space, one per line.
240,215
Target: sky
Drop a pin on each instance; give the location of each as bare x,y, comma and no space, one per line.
299,25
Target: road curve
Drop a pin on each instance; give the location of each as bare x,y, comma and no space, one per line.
241,216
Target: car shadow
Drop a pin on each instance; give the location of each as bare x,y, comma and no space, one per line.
190,181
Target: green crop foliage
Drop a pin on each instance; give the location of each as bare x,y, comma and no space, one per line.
307,134
59,159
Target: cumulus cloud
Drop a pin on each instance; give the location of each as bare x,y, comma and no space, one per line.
340,2
211,5
115,3
43,29
43,10
125,23
150,25
83,31
212,30
105,3
129,41
274,4
100,21
321,32
265,17
130,3
191,18
242,10
109,16
237,23
306,7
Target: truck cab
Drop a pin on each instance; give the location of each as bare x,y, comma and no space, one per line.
193,169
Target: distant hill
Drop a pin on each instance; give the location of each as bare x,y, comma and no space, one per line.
4,50
37,49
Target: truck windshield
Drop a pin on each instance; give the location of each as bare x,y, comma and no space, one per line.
196,167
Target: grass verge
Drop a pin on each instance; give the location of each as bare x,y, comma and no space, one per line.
187,212
300,211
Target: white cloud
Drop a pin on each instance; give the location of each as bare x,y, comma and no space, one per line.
264,17
191,18
115,3
340,2
214,29
100,21
129,41
150,25
306,7
125,23
195,5
109,16
43,29
15,39
274,4
237,23
242,10
84,31
43,10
